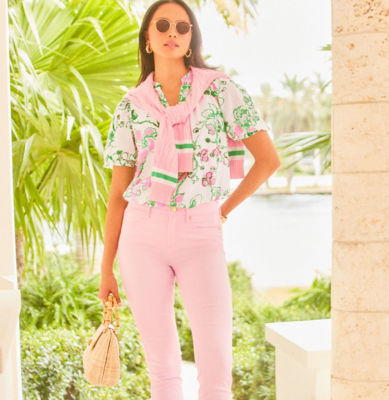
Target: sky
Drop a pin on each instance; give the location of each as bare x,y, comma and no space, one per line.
285,37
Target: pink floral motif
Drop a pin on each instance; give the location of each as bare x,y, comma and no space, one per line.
216,151
211,129
151,144
142,156
179,198
209,179
138,134
204,155
238,130
252,129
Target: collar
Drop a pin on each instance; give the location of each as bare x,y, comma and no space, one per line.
185,80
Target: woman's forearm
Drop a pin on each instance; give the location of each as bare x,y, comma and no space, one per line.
254,178
113,225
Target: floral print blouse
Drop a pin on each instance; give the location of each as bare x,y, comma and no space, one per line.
225,109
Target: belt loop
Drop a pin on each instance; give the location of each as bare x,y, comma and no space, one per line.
186,214
148,210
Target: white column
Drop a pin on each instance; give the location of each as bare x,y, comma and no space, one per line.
10,372
360,167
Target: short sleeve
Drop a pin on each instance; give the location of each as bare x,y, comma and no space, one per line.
120,148
241,119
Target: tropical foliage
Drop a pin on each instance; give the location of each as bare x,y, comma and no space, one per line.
70,64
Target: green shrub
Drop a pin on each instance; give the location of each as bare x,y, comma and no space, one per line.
254,357
60,295
52,367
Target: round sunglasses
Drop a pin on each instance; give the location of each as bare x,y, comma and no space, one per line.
163,25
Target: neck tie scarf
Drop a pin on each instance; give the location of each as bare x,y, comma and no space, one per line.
174,146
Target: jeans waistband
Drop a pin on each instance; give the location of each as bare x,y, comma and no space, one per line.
188,211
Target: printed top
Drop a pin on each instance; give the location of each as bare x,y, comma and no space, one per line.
225,109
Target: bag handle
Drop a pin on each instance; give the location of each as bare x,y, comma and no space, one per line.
107,312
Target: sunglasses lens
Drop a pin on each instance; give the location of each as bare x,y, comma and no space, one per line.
182,27
163,25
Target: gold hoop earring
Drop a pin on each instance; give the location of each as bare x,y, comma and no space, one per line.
190,53
148,50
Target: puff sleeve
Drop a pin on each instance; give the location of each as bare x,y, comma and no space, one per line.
241,119
120,148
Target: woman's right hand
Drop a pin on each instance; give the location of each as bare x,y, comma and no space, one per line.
108,285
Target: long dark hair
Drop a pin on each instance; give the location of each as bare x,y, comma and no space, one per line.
146,60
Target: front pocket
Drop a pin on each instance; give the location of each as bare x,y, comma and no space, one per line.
211,220
134,216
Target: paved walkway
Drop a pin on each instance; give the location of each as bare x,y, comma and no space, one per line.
189,380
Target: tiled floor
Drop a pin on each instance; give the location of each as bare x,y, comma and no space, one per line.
189,380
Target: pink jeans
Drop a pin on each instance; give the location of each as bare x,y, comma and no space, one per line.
156,246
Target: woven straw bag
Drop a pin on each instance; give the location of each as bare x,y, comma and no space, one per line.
101,357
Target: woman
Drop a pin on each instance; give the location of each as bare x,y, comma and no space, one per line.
174,142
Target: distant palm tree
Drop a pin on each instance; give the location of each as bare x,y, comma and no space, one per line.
301,122
297,144
309,117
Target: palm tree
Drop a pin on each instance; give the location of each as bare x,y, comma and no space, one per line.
311,116
301,121
70,64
